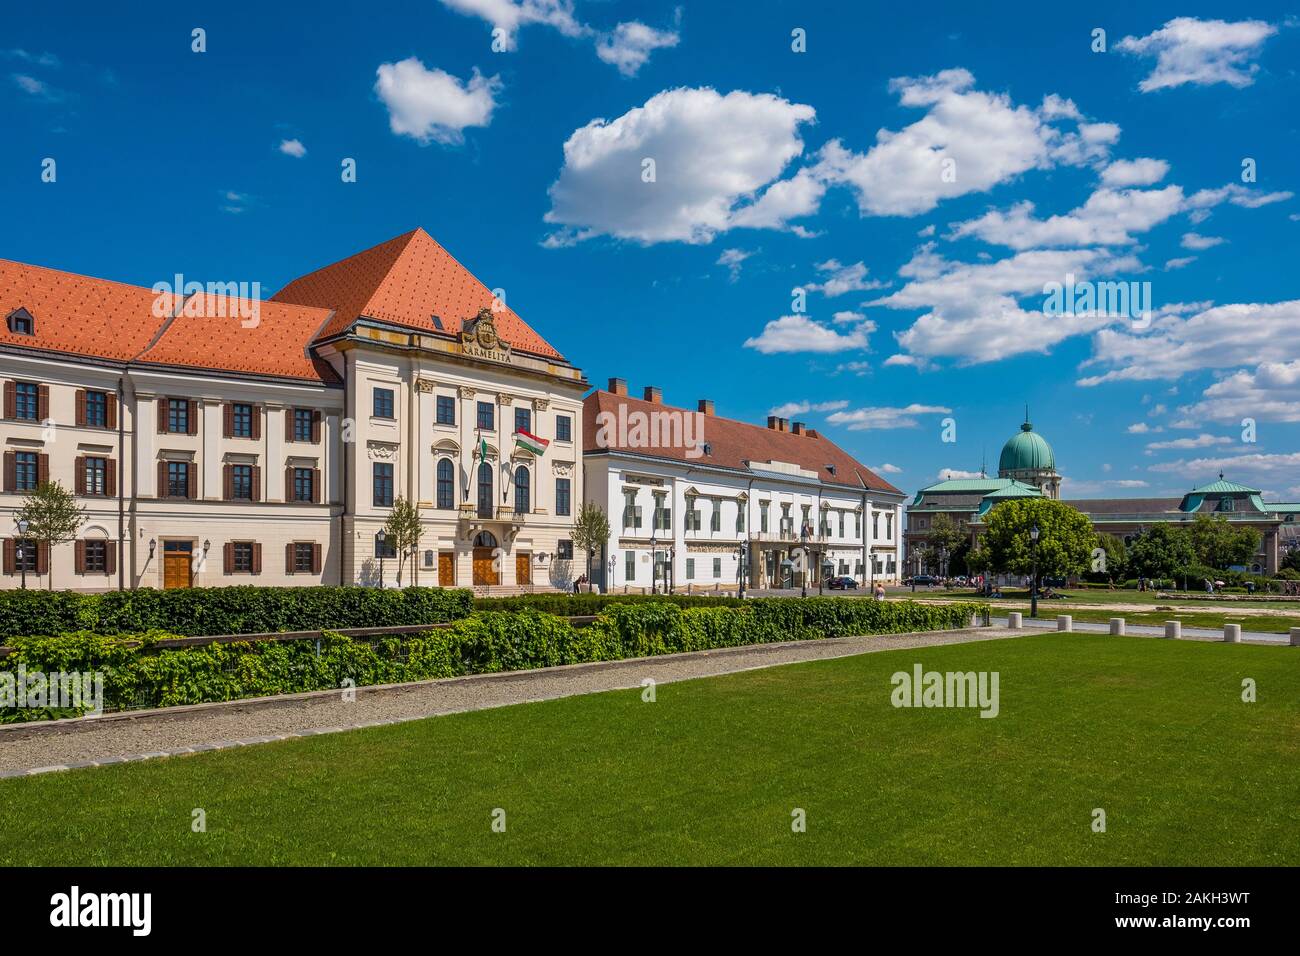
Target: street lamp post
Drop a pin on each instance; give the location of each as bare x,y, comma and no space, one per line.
21,551
803,544
381,538
654,564
740,576
1033,584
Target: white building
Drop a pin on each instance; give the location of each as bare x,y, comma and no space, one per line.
694,486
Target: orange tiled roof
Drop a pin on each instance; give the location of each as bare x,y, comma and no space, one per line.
406,281
732,443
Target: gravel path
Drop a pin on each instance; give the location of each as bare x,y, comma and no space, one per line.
116,738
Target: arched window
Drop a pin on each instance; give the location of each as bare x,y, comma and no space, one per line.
485,490
485,539
521,490
446,484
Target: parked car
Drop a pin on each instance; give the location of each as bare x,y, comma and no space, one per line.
922,580
842,583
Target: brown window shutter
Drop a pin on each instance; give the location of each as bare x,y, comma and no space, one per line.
257,422
257,483
42,557
42,402
227,557
162,415
315,428
79,557
11,471
193,417
191,474
315,486
227,482
42,469
110,477
81,407
10,562
11,398
227,420
288,483
79,476
110,411
162,479
288,558
257,558
315,558
288,424
110,558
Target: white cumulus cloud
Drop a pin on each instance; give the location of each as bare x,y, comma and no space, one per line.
432,105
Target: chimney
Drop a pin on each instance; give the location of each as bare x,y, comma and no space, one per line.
774,423
783,424
655,394
618,386
797,428
706,406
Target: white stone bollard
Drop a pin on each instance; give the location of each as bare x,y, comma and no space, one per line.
1232,633
1015,621
1117,626
1064,622
1173,629
1295,637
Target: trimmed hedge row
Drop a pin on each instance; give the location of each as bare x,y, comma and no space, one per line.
485,642
571,605
192,612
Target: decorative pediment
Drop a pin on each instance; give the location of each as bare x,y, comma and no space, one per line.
382,450
479,338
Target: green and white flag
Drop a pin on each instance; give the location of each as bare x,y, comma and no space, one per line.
482,448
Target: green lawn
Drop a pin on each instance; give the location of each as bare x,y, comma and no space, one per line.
1153,732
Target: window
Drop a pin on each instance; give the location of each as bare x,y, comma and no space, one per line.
446,410
741,507
663,516
303,419
241,420
446,483
841,524
178,416
717,567
486,416
485,490
1226,504
241,481
875,524
889,527
629,566
563,428
631,511
386,548
522,489
762,517
692,516
27,401
690,569
304,485
26,470
21,322
178,479
95,476
523,419
241,557
383,403
25,555
97,409
96,556
304,557
857,524
383,484
715,522
562,506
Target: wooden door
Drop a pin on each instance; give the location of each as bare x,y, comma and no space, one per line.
523,572
446,569
484,573
176,569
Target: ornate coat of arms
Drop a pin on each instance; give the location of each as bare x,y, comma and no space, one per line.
479,337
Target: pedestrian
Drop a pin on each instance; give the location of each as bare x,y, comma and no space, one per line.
880,592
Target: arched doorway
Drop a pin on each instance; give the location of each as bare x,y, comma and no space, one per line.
485,548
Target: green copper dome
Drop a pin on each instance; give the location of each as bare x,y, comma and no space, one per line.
1026,451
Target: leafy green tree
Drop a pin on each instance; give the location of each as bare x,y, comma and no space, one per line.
1065,541
945,534
1161,551
1112,563
52,515
403,531
590,531
1219,544
1292,560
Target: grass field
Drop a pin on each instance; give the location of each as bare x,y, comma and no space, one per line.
1153,732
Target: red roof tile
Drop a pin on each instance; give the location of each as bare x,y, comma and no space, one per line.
732,443
407,281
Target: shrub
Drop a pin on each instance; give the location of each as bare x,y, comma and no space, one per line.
570,605
485,642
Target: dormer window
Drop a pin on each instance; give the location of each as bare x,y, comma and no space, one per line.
21,322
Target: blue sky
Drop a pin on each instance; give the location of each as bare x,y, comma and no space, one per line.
774,170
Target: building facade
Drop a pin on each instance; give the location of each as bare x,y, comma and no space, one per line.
214,440
689,495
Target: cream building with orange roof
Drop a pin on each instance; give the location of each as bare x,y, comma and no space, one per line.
214,438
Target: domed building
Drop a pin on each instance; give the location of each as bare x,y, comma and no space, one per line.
1028,458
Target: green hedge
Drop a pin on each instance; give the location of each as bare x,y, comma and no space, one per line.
570,605
231,610
485,642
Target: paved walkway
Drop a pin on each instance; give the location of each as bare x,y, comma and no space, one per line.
1048,623
140,735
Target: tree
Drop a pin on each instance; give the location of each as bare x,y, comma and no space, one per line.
403,531
1065,539
1111,563
944,538
1292,560
1219,544
590,531
1161,551
52,515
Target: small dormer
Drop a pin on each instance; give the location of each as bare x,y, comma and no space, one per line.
21,322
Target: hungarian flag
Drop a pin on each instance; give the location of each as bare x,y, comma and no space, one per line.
530,442
482,448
